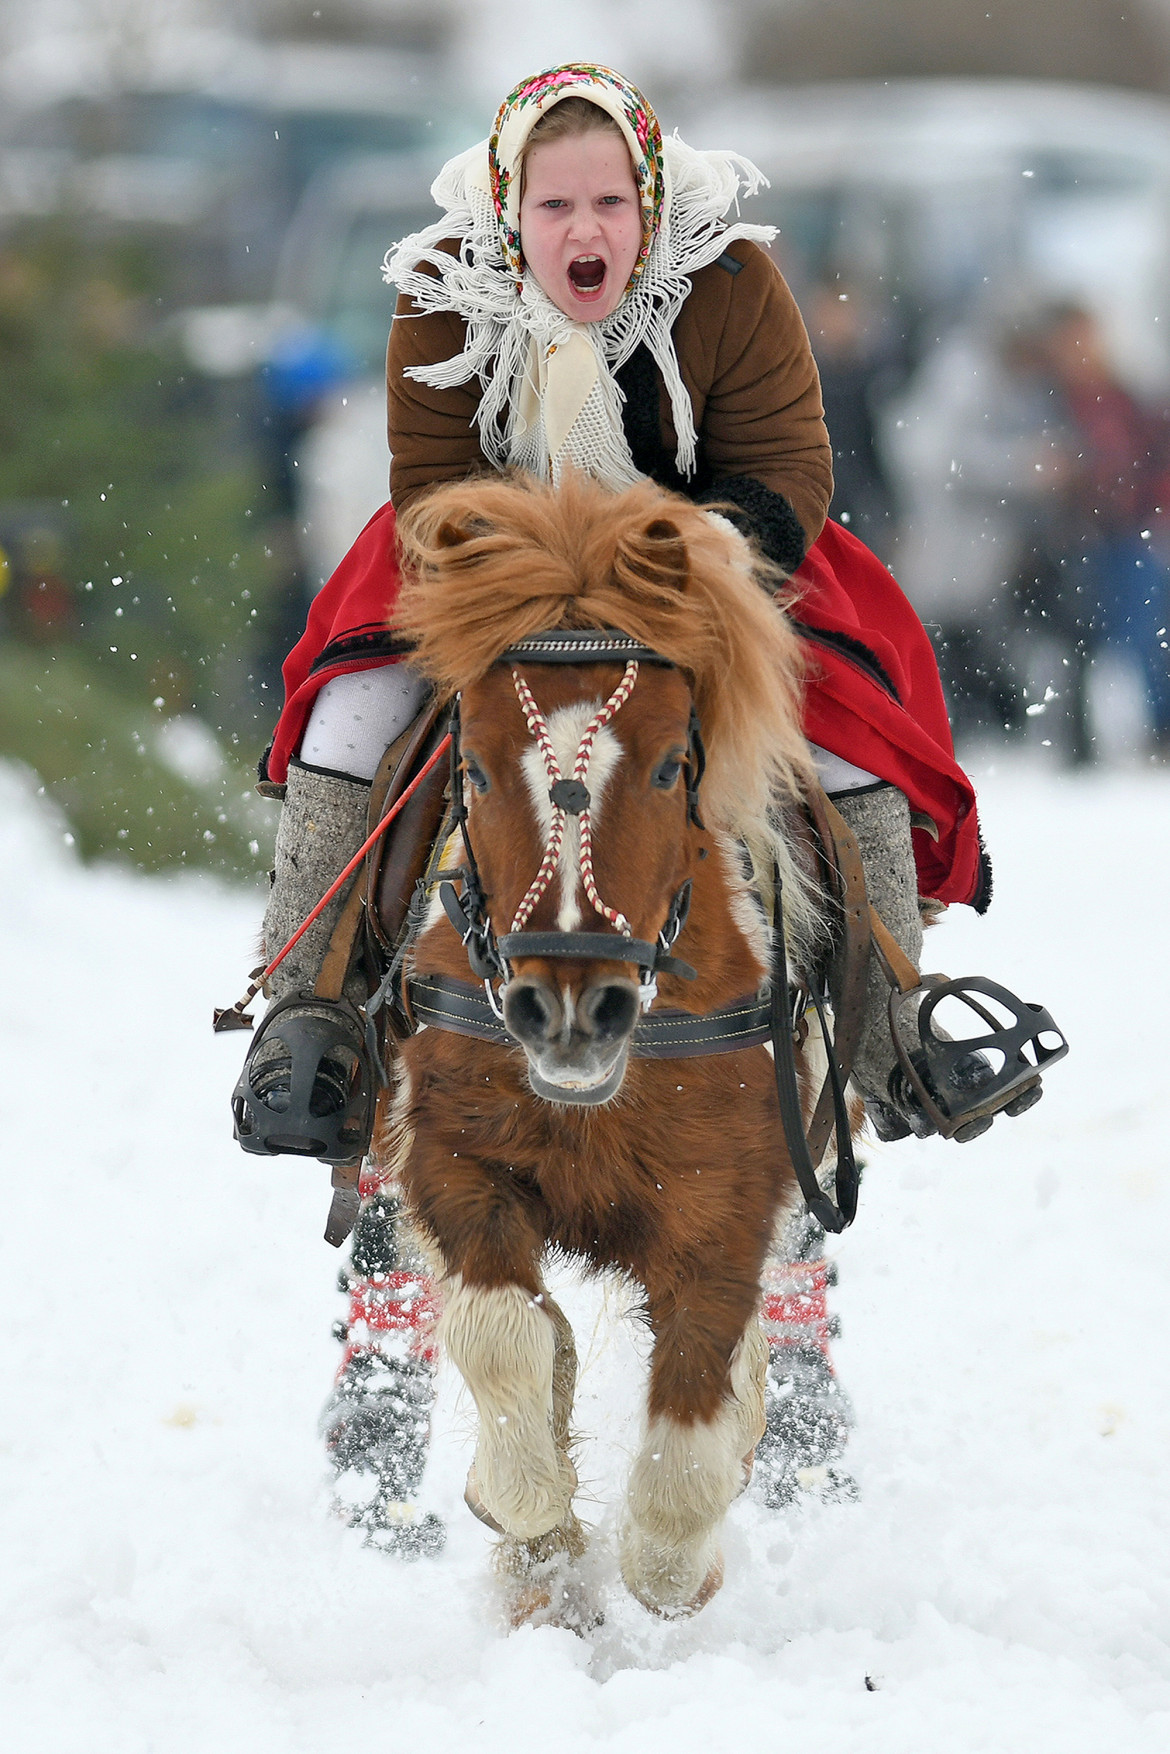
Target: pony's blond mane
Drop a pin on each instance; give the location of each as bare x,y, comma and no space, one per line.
491,560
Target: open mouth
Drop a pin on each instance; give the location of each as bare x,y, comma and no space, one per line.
582,1091
587,275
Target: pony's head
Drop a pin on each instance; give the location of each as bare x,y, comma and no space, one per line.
491,563
490,560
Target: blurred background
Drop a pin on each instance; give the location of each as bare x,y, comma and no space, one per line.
195,198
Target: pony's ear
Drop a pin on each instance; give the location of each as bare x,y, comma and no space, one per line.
656,554
452,535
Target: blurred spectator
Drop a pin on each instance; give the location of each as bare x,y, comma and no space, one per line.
854,373
1097,578
36,594
964,442
305,366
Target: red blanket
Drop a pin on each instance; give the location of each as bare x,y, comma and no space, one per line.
872,693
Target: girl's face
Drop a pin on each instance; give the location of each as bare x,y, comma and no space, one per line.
581,223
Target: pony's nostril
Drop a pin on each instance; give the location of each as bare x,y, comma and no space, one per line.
611,1009
530,1012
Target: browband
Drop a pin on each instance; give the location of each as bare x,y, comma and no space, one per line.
582,645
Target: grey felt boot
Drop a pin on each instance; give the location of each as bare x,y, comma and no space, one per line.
322,825
304,1087
880,819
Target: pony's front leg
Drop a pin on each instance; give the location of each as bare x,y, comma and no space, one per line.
504,1341
706,1416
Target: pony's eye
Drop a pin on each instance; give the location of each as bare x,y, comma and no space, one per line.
666,773
475,774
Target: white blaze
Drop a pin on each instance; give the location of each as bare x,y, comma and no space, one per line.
566,728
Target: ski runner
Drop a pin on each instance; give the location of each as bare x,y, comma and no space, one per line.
584,302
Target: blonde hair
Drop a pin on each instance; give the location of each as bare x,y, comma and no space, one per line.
568,120
571,119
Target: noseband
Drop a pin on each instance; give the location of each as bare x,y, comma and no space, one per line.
489,956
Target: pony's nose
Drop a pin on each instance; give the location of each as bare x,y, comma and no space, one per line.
533,1012
600,1014
608,1011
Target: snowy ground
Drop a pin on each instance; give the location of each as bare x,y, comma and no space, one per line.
170,1577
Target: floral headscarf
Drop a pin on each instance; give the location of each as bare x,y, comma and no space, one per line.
549,398
532,99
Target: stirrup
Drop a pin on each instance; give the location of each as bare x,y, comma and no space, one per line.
938,1072
316,1099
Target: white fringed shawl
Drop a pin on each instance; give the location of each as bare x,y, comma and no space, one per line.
549,396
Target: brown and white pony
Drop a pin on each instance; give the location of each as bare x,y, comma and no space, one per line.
674,1173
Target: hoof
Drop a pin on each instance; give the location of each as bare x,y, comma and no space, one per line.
476,1505
710,1586
542,1582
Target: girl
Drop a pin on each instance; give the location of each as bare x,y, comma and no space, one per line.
583,303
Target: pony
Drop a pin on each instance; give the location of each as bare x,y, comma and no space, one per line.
587,862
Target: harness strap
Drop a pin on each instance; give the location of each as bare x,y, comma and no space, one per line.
832,1217
338,956
446,1003
844,873
896,965
593,946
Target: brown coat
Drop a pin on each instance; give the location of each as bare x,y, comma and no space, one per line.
745,359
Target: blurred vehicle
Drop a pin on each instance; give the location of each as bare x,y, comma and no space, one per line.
211,159
945,196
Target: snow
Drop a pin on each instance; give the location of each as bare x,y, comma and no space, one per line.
171,1577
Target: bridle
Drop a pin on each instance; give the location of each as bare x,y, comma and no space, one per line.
441,1002
490,956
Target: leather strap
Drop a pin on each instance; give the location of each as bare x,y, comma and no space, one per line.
596,947
343,1209
456,1005
339,952
394,770
832,1217
335,963
896,965
847,877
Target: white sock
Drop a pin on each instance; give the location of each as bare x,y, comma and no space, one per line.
355,718
838,775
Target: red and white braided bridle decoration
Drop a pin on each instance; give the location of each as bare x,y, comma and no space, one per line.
538,725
